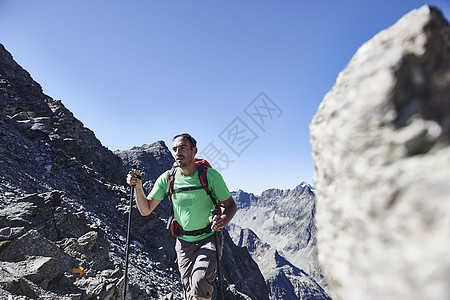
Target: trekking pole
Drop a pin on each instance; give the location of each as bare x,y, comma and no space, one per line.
125,284
215,212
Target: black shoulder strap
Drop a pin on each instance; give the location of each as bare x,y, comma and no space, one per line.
202,170
170,181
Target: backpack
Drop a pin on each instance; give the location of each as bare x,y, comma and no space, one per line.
176,228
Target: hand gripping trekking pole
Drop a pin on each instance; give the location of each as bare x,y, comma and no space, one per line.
125,284
215,212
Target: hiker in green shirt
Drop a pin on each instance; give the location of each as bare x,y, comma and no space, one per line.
193,224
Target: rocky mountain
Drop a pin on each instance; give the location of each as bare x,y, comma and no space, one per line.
284,280
283,217
64,206
278,229
381,147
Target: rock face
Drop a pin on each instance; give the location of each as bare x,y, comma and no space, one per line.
64,207
151,160
278,230
381,148
46,121
44,243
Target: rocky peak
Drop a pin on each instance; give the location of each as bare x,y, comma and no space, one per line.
244,199
15,79
302,189
48,123
151,159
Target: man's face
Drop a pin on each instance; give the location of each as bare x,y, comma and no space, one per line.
182,151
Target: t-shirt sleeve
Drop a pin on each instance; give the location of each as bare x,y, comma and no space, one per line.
158,191
217,185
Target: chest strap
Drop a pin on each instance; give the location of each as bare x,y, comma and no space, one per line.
177,230
190,188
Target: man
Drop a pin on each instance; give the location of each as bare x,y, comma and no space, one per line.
192,211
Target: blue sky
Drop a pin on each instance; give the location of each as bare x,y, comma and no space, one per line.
243,77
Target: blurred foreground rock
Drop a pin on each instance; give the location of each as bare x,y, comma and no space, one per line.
381,148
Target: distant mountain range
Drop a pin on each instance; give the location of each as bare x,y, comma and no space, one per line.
278,230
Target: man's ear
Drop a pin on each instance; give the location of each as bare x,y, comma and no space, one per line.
195,150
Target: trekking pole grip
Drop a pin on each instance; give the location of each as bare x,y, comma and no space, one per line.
134,168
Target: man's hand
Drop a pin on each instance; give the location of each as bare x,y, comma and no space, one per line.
217,223
134,178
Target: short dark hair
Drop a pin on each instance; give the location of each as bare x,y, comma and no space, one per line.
192,141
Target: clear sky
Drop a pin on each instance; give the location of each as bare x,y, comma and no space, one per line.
243,77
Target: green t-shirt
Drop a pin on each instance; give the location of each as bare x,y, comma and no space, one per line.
192,209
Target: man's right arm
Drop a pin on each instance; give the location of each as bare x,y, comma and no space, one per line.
145,204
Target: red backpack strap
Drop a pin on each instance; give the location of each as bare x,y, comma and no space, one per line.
202,174
202,171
